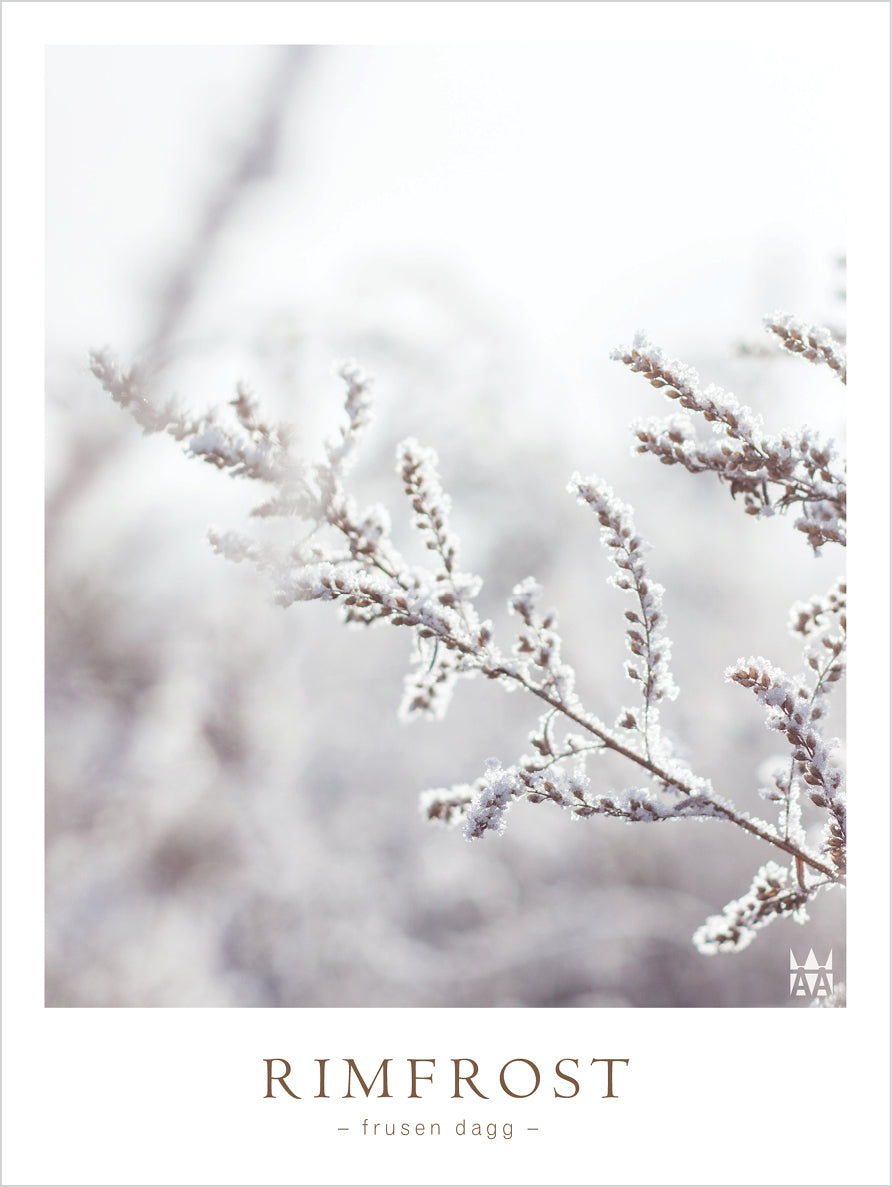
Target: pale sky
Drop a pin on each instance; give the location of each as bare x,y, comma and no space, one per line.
582,191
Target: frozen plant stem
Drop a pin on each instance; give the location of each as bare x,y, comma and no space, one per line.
347,556
671,781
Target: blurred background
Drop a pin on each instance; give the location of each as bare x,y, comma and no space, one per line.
231,803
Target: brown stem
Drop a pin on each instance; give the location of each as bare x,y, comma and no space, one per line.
618,748
670,781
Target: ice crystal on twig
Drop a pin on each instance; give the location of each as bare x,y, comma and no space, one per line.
808,342
772,473
645,636
768,898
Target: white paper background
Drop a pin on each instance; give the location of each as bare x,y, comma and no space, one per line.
175,1096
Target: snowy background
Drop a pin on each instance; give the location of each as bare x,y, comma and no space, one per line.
231,802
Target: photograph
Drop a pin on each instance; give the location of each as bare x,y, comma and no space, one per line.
409,331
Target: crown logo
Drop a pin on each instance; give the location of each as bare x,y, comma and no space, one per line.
811,978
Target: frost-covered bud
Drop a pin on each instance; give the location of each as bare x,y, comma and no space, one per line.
445,805
808,342
491,801
768,898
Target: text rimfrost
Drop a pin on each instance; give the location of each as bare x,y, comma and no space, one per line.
518,1079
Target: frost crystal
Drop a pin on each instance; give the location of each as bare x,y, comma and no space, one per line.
487,808
767,898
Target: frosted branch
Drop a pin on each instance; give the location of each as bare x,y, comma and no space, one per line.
772,473
768,898
344,554
646,640
813,343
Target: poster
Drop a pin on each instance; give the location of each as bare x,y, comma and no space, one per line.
274,910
